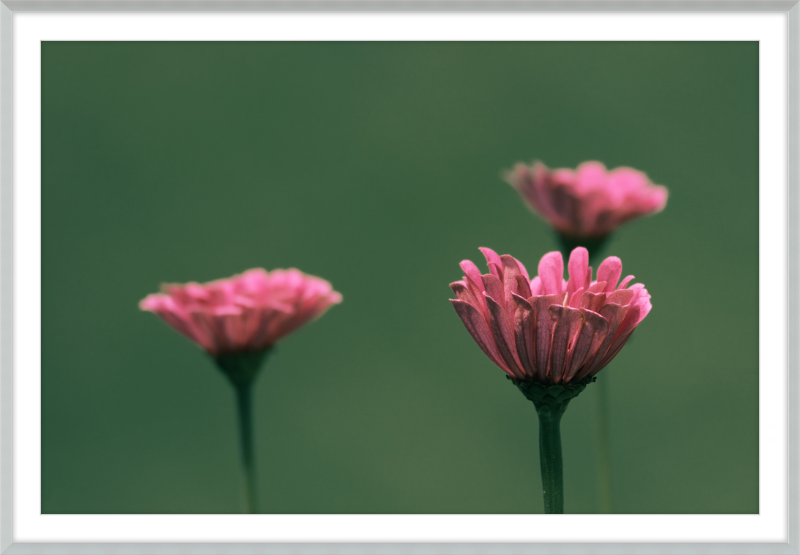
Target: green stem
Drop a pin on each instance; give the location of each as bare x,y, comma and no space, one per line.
603,442
593,244
245,409
551,402
550,457
242,369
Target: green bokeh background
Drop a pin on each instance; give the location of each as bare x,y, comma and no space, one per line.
377,166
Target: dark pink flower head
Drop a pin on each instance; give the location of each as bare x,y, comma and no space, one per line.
589,202
245,313
546,329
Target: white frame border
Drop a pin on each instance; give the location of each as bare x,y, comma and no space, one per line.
7,9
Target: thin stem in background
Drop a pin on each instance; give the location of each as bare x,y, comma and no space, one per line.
603,446
245,410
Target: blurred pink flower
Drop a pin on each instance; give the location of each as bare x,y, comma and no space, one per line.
589,202
549,330
245,313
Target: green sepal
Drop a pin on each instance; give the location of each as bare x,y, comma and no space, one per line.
241,368
556,397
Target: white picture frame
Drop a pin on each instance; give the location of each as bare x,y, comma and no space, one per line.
416,20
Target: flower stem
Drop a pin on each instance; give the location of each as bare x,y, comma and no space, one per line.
242,369
603,451
551,402
245,409
594,245
550,456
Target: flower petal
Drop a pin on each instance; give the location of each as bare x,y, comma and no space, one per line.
536,287
503,331
610,271
566,322
591,335
613,350
472,273
597,287
493,258
494,289
625,282
463,293
640,307
614,315
523,334
543,331
207,334
620,296
575,300
551,272
533,184
578,265
524,287
523,270
179,320
479,329
592,301
475,283
510,273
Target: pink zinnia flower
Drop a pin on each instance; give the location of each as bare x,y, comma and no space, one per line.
244,313
589,202
548,330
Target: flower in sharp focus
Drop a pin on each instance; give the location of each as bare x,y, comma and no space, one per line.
548,330
590,201
245,313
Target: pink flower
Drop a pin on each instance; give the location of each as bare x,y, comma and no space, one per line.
589,202
244,313
549,330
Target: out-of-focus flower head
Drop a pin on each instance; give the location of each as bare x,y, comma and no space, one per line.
245,313
589,202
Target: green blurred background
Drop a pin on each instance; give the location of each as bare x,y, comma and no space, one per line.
377,166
